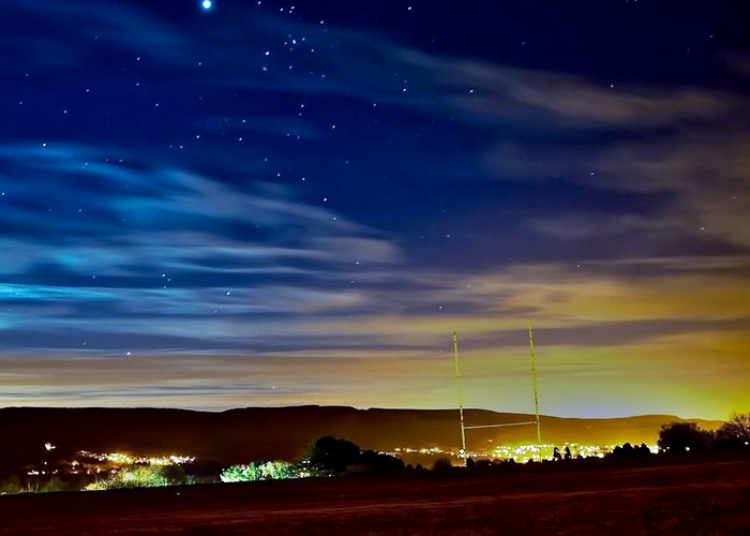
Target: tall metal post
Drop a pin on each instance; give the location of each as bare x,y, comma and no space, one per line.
460,395
536,388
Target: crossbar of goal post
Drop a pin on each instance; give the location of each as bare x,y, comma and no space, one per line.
499,425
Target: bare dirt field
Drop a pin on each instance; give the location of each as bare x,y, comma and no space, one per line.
710,497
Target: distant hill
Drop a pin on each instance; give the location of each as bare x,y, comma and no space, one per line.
242,435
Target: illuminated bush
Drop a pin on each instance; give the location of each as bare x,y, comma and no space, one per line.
262,471
53,485
11,486
142,476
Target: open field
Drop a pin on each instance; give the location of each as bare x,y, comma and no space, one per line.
709,497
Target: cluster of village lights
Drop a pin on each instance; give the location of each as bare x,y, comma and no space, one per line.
520,453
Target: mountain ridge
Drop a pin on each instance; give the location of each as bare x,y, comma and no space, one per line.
239,435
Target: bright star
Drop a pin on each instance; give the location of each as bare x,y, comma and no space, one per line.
207,4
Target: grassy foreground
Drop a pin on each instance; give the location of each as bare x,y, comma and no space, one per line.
707,497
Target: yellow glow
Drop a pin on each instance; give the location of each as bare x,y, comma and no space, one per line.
647,345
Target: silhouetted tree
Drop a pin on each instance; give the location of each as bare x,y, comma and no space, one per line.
735,432
336,455
683,436
379,462
629,451
442,464
333,454
483,464
470,463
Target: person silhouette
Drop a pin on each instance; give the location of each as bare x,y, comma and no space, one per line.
556,454
568,455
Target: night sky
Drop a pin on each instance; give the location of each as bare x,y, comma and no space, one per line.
259,203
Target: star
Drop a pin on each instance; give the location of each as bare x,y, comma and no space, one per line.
207,5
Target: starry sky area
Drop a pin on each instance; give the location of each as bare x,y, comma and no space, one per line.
234,203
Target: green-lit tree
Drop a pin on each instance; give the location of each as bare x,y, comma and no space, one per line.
141,476
261,471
